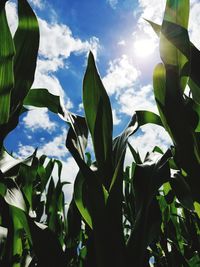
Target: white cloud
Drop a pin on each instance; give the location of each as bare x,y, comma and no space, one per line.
121,74
152,10
116,119
11,12
137,99
57,41
38,3
56,147
112,3
194,22
45,78
150,137
38,119
24,151
69,172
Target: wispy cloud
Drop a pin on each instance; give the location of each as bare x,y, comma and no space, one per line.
38,3
112,3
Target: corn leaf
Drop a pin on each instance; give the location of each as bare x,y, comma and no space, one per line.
99,119
26,42
148,177
46,245
193,55
7,162
7,52
42,98
176,12
80,198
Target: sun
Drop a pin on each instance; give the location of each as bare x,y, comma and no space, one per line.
144,48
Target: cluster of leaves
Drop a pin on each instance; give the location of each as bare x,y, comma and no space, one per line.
147,214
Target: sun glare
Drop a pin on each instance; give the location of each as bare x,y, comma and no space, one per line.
143,48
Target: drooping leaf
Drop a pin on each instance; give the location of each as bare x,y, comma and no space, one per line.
140,118
14,196
7,162
42,98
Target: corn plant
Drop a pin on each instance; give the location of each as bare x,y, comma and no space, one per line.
147,214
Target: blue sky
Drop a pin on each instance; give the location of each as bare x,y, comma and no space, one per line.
126,52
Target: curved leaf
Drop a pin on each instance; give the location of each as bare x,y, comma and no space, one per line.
42,98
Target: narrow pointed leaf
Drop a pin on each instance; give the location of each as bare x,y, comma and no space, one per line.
79,195
26,42
6,66
99,117
176,12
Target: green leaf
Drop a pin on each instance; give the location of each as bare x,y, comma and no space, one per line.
26,42
99,119
197,208
140,118
77,135
73,227
135,154
148,178
176,12
194,261
7,52
42,98
46,246
144,117
14,196
182,190
159,84
173,107
79,196
193,55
